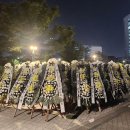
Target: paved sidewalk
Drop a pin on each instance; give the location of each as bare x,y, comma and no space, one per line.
114,118
118,119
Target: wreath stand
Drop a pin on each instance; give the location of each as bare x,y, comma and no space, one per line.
49,110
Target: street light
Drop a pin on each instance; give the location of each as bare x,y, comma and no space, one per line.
94,57
59,59
123,61
33,49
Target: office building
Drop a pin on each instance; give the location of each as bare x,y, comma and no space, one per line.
127,35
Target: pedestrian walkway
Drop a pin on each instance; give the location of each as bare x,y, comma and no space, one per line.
118,119
112,118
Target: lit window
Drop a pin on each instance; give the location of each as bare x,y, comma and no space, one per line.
129,27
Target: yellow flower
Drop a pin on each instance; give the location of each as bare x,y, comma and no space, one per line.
86,87
49,88
82,70
22,78
82,76
96,74
31,88
50,78
51,69
98,85
35,78
5,77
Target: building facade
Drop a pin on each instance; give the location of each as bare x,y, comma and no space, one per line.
127,35
95,49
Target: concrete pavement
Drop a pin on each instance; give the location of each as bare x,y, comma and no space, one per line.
112,118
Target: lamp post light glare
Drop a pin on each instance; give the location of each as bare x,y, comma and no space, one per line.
33,49
59,59
123,61
94,57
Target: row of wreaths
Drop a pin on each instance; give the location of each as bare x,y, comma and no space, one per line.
56,82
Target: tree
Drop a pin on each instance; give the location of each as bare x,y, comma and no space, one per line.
63,43
29,23
24,23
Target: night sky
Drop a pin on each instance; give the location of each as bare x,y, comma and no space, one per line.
96,22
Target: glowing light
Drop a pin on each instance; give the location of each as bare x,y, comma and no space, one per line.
59,59
123,61
33,49
94,57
